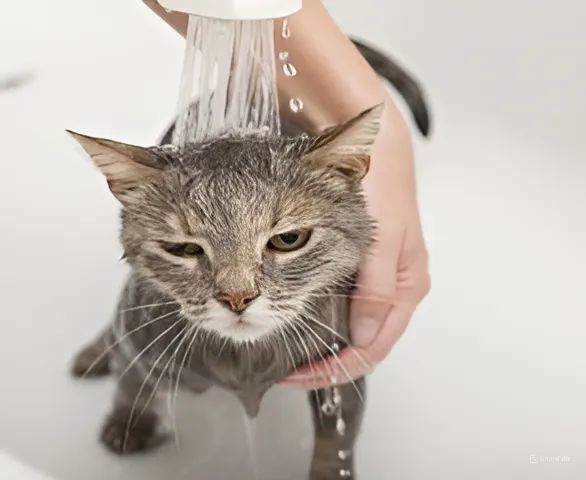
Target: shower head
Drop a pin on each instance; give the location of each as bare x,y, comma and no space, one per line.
234,9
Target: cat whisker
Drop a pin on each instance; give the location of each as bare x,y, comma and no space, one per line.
150,305
350,295
223,345
302,343
130,424
321,355
365,362
193,333
310,361
145,349
166,368
349,283
304,346
122,338
299,336
335,355
316,396
187,330
281,331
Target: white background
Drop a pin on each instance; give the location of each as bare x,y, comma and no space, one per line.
491,370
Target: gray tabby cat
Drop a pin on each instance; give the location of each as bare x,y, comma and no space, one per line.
243,251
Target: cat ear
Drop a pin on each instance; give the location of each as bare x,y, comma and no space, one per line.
124,166
347,147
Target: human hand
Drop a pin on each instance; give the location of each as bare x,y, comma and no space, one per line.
393,278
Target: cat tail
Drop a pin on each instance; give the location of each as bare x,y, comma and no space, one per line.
406,85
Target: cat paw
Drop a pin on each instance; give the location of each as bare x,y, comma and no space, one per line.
91,362
123,441
339,468
338,474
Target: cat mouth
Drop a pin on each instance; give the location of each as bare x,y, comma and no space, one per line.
246,326
241,330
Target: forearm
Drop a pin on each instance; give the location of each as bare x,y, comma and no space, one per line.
177,20
336,83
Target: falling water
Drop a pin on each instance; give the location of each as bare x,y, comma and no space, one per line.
229,79
228,85
250,434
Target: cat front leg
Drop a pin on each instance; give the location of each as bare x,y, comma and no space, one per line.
134,423
337,415
93,360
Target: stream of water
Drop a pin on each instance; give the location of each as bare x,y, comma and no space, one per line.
228,82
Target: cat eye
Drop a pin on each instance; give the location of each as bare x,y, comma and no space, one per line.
183,249
289,241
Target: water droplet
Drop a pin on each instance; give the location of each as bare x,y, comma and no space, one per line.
336,347
344,454
328,407
289,70
345,473
337,398
285,30
341,426
296,105
283,56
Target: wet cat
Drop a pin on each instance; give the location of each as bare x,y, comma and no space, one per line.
243,251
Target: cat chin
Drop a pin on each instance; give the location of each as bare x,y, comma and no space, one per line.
256,322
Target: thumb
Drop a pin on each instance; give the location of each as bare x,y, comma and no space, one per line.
377,278
371,302
366,318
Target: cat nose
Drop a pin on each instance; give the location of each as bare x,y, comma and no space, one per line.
237,301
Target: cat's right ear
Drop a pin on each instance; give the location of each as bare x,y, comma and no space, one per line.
124,166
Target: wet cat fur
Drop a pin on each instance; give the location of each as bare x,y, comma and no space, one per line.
230,196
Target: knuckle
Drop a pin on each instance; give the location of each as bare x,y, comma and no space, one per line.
422,277
425,285
421,286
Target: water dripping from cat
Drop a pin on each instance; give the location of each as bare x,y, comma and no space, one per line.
250,430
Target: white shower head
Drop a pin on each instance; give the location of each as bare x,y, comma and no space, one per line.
234,9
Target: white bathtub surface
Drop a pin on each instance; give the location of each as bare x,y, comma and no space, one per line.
12,469
488,383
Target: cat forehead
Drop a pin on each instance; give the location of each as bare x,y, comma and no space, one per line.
236,168
245,198
234,182
252,153
227,200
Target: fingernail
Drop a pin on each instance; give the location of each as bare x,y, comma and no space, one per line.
365,332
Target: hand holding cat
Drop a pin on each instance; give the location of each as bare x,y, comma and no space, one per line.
335,84
393,278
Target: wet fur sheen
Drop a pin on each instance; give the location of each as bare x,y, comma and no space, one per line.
230,196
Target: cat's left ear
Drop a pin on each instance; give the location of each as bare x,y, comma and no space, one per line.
124,166
347,147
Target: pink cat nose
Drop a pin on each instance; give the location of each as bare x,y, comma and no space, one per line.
237,301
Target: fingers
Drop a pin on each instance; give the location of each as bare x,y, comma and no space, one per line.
352,363
388,279
412,285
371,301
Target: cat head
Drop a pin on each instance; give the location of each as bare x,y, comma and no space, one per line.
247,233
